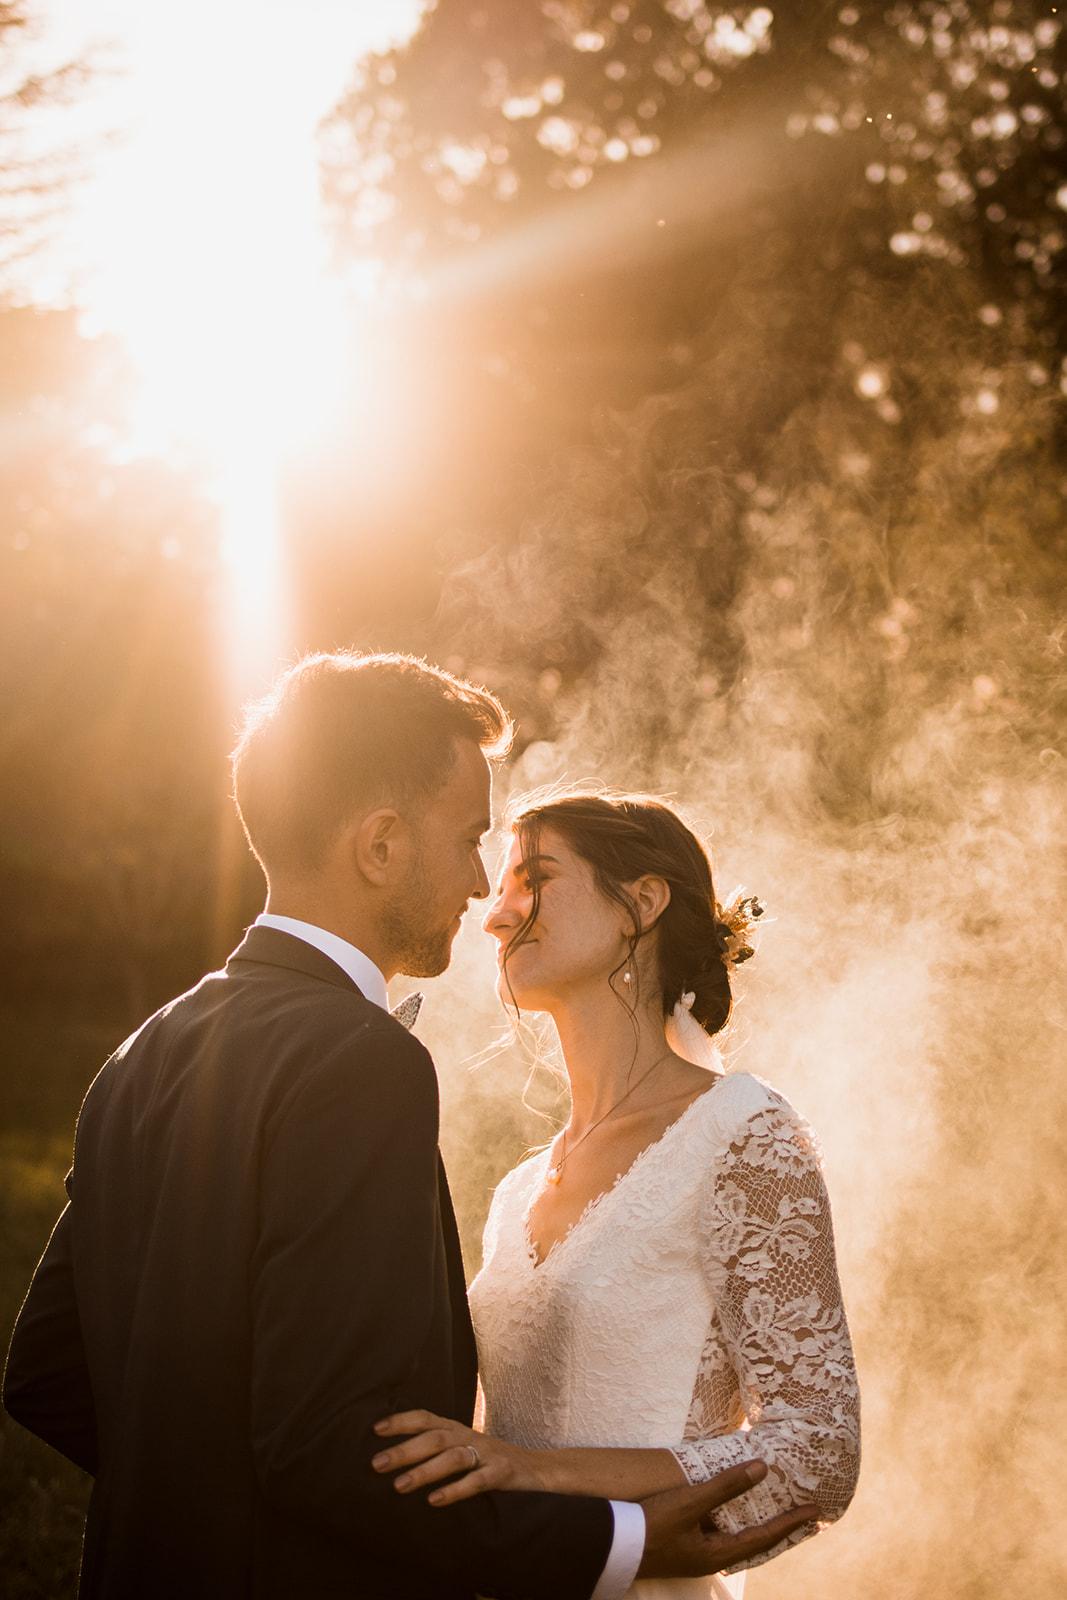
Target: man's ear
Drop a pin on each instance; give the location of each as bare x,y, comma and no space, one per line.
651,896
376,840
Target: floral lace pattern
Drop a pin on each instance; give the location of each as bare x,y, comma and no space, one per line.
771,1262
694,1306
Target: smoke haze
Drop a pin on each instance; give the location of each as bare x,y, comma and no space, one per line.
845,662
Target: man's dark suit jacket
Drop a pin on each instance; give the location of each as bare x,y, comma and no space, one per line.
260,1259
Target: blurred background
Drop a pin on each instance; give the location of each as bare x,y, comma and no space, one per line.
691,374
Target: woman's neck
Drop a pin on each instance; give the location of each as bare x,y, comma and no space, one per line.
606,1052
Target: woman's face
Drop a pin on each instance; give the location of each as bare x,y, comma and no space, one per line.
579,938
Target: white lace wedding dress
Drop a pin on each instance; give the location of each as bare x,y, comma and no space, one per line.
694,1306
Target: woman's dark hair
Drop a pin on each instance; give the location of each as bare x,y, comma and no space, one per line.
344,731
622,838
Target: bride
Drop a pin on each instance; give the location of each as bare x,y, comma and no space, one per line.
659,1296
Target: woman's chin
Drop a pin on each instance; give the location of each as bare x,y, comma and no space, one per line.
524,995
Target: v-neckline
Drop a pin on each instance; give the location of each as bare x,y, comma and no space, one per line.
538,1262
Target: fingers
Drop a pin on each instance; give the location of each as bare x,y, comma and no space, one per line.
445,1465
464,1488
408,1422
421,1448
732,1548
726,1485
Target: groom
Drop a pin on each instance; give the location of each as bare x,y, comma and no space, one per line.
259,1258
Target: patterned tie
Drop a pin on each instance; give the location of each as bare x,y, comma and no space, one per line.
408,1009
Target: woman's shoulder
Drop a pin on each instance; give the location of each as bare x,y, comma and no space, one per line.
743,1093
747,1101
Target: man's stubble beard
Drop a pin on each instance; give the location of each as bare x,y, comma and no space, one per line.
417,950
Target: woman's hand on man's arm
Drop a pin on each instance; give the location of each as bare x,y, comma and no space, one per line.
438,1448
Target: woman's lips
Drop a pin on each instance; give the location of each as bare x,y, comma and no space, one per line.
509,950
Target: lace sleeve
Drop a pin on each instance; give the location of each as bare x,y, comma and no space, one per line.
770,1255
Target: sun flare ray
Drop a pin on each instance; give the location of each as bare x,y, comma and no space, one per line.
199,243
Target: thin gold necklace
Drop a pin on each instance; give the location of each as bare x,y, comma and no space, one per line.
555,1173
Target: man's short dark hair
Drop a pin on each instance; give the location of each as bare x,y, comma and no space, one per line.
340,733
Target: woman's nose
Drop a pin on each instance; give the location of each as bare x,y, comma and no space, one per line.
499,920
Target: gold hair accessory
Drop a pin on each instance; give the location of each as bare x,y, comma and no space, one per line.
736,922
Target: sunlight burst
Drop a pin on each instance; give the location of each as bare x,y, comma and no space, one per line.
201,246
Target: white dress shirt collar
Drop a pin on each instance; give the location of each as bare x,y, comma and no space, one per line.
360,968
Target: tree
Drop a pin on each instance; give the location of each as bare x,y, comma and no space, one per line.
114,729
662,369
508,118
37,166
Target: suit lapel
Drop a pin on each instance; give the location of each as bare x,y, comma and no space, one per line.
464,1349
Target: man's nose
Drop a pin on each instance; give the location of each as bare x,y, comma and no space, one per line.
482,891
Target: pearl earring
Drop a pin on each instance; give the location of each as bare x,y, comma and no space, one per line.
627,976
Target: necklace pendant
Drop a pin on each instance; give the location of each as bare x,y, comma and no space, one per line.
553,1175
